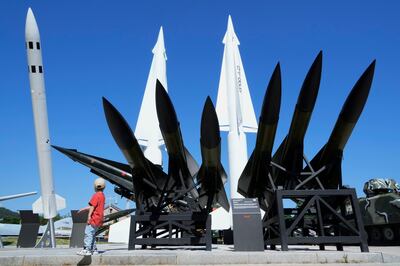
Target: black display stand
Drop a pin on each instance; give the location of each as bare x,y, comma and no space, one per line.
247,227
79,221
323,217
171,229
29,229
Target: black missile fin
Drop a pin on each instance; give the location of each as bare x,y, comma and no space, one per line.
222,173
203,195
222,199
160,176
212,186
246,179
192,165
279,152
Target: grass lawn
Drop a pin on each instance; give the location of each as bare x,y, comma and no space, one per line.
12,241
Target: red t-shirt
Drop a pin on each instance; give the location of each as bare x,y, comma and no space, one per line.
97,201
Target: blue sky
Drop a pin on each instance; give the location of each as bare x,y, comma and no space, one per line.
94,48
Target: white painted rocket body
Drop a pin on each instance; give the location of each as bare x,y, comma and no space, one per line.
234,107
49,203
147,129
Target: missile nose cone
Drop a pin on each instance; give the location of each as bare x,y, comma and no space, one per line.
357,98
209,129
31,27
60,149
120,130
165,110
309,90
69,152
159,47
272,99
230,24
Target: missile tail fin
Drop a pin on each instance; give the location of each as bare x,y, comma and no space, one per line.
245,179
223,175
192,165
222,199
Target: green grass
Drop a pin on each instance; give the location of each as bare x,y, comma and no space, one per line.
12,241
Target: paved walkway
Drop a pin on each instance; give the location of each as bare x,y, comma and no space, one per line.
117,254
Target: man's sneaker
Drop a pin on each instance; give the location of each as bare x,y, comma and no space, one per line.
84,252
95,252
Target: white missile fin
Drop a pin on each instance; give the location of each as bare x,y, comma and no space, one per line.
37,206
147,127
60,202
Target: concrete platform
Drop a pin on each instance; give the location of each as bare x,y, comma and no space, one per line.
115,254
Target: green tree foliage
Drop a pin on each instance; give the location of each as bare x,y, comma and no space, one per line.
8,216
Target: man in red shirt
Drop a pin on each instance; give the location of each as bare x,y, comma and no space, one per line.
95,217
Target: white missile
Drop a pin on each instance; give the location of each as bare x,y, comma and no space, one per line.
147,129
234,107
3,198
49,203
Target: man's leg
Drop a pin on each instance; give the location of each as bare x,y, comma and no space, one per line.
93,243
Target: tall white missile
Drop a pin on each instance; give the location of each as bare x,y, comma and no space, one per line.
49,203
234,107
147,129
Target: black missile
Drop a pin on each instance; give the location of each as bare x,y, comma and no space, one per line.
290,153
331,154
255,181
123,135
112,217
211,175
147,183
116,215
181,165
116,173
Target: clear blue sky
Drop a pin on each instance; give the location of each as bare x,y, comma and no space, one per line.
94,48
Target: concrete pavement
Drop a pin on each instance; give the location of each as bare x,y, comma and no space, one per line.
117,254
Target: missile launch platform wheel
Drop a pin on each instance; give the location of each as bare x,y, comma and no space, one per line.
388,233
375,235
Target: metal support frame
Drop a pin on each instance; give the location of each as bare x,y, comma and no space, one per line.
48,239
319,213
170,229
